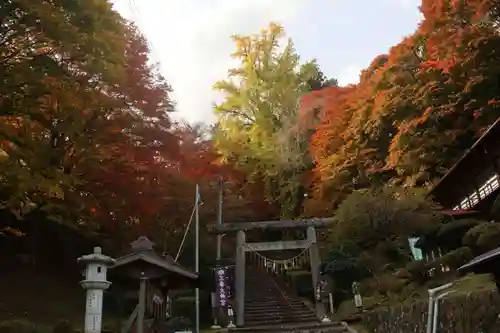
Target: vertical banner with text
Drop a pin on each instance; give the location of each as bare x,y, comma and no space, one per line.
221,286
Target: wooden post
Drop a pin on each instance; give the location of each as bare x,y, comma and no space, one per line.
315,263
240,278
141,307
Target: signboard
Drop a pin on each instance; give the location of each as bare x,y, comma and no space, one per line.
221,286
317,292
323,288
416,252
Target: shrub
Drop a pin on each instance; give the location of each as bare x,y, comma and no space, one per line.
483,237
303,285
456,258
450,235
369,217
419,271
476,312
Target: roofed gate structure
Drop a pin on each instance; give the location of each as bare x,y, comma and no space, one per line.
308,244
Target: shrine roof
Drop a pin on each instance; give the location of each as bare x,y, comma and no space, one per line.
460,212
142,252
156,260
491,133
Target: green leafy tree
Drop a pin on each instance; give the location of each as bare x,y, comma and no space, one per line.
380,221
344,266
257,122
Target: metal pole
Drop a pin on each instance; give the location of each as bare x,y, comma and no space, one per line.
433,294
435,322
197,255
217,254
430,314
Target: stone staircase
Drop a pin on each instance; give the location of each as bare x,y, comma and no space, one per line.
270,306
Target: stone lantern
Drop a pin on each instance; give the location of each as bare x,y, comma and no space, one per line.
95,283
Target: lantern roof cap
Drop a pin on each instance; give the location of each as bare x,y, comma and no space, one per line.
96,257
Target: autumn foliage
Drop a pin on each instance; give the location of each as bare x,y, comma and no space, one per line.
415,110
86,137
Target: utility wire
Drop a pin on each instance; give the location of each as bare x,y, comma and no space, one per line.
132,5
186,232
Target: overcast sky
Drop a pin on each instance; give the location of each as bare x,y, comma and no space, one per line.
191,38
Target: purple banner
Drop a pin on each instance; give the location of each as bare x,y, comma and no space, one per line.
221,287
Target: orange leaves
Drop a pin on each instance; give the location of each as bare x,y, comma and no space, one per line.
328,107
414,107
327,112
442,65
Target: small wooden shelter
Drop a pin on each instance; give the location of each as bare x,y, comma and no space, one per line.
150,270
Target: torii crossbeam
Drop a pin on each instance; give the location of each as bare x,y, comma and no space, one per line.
271,225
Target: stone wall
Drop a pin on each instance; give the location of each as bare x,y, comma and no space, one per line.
473,313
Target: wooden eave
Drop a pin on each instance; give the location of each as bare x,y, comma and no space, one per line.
486,135
153,259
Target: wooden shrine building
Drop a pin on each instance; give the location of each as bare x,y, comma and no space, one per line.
471,186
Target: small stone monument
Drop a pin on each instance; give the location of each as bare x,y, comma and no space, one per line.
358,300
95,283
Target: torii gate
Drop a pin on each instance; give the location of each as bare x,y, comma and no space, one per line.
242,247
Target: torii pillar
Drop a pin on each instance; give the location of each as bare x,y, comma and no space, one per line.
240,277
315,262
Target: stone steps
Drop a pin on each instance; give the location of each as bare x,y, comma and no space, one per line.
305,327
263,310
278,320
271,306
281,312
269,303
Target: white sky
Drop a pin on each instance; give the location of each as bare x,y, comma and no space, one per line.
191,38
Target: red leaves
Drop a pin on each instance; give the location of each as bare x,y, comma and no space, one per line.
142,86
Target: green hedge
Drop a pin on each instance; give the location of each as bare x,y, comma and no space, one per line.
25,326
472,313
